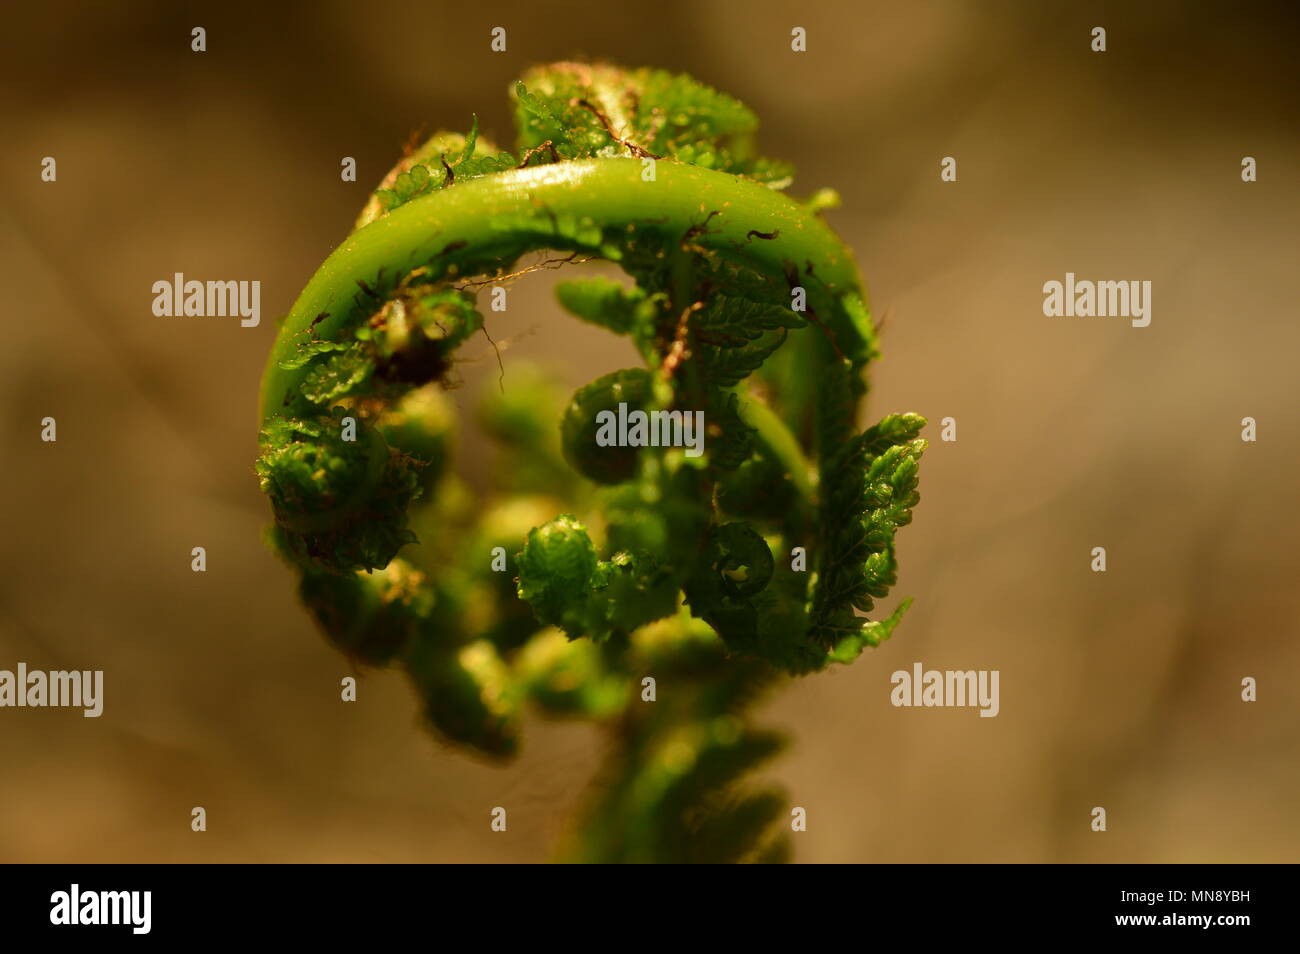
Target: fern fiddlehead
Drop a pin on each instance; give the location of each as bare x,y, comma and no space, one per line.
749,316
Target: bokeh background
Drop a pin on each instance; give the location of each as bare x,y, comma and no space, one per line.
1118,689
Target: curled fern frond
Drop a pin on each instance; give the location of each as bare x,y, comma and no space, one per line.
638,534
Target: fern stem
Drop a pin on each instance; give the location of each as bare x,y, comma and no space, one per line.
506,215
777,437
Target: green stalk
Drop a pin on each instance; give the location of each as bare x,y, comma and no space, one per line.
774,434
506,215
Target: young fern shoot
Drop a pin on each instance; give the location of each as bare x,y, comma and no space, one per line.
716,568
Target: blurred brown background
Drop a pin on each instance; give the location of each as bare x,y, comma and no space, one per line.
1119,690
